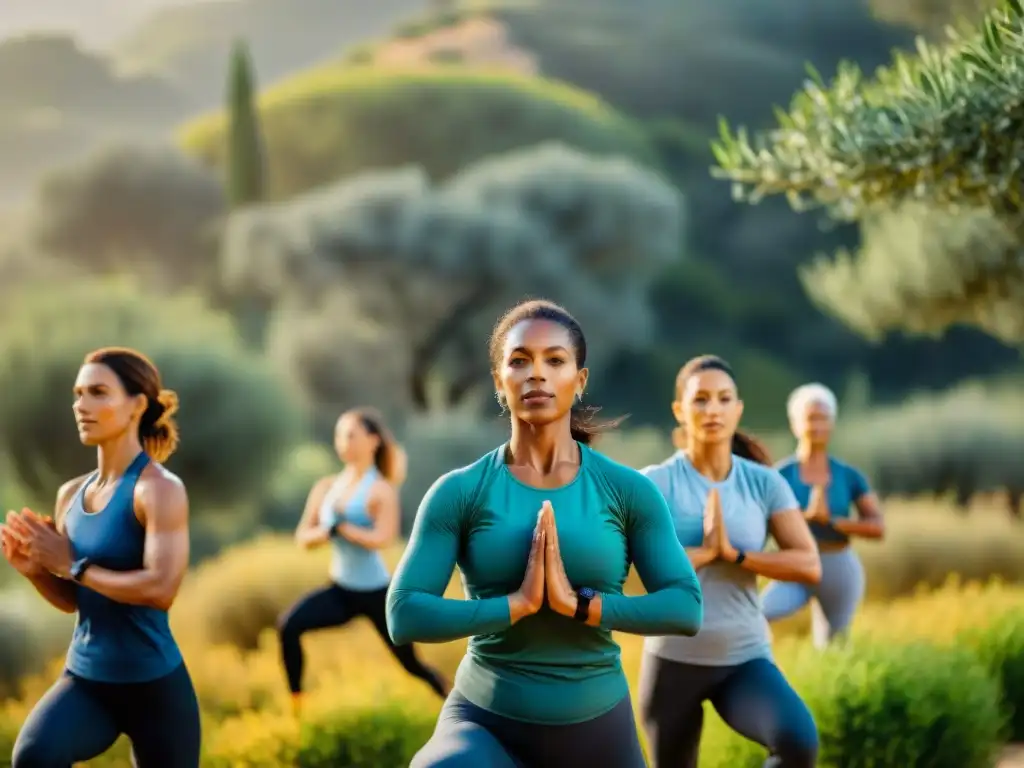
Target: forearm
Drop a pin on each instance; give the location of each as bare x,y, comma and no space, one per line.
61,594
865,529
415,616
311,538
677,609
368,538
142,587
700,556
799,565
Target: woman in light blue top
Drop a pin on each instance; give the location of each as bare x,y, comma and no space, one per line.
357,513
725,503
826,489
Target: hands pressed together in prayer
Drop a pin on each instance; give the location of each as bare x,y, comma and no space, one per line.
716,537
545,577
33,546
817,506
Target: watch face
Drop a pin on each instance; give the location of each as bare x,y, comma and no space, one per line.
587,593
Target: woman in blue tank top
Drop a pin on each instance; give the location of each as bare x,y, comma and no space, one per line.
115,554
725,503
356,512
826,489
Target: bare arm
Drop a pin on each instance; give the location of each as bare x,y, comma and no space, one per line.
700,556
869,523
161,503
385,513
61,594
797,558
309,534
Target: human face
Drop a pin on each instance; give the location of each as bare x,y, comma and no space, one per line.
814,424
103,409
709,408
354,443
537,374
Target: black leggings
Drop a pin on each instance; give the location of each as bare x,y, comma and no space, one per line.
334,606
77,720
467,736
753,699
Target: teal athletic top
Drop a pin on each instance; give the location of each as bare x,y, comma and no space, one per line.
353,566
547,668
115,642
735,630
846,486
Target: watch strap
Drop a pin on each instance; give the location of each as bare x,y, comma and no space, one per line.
583,598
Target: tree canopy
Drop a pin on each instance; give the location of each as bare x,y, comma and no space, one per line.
385,284
141,207
237,419
938,135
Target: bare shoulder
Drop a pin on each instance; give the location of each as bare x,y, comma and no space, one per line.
383,491
159,489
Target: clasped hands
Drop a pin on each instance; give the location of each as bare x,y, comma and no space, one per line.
545,577
716,537
32,545
817,506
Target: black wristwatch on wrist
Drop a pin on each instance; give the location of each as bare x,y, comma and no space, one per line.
77,569
740,556
583,597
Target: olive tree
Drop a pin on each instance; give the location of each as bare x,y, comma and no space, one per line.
386,285
237,418
931,145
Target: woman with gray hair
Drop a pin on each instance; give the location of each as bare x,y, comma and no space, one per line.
826,489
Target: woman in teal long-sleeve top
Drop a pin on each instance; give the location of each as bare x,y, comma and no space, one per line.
543,529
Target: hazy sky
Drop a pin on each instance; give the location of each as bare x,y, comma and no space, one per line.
94,22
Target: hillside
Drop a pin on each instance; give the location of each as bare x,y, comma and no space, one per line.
190,42
73,101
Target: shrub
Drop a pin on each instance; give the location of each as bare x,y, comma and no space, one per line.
31,634
919,704
384,737
1000,646
236,418
331,122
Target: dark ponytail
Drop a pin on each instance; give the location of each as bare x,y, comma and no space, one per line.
584,428
747,447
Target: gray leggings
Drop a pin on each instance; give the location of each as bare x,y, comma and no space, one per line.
836,597
753,699
467,736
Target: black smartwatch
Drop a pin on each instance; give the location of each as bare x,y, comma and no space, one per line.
78,568
583,597
740,556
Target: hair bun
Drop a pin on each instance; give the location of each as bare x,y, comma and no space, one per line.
169,400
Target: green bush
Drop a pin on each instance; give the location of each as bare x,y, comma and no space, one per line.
922,705
31,635
1000,646
387,737
291,484
331,122
236,419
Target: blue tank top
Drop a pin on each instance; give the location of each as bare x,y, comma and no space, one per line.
847,484
352,566
115,642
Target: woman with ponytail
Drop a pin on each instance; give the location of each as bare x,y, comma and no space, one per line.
355,511
543,529
726,500
114,553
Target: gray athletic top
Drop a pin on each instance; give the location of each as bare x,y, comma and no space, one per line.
734,629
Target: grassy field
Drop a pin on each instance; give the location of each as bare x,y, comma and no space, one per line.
225,614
